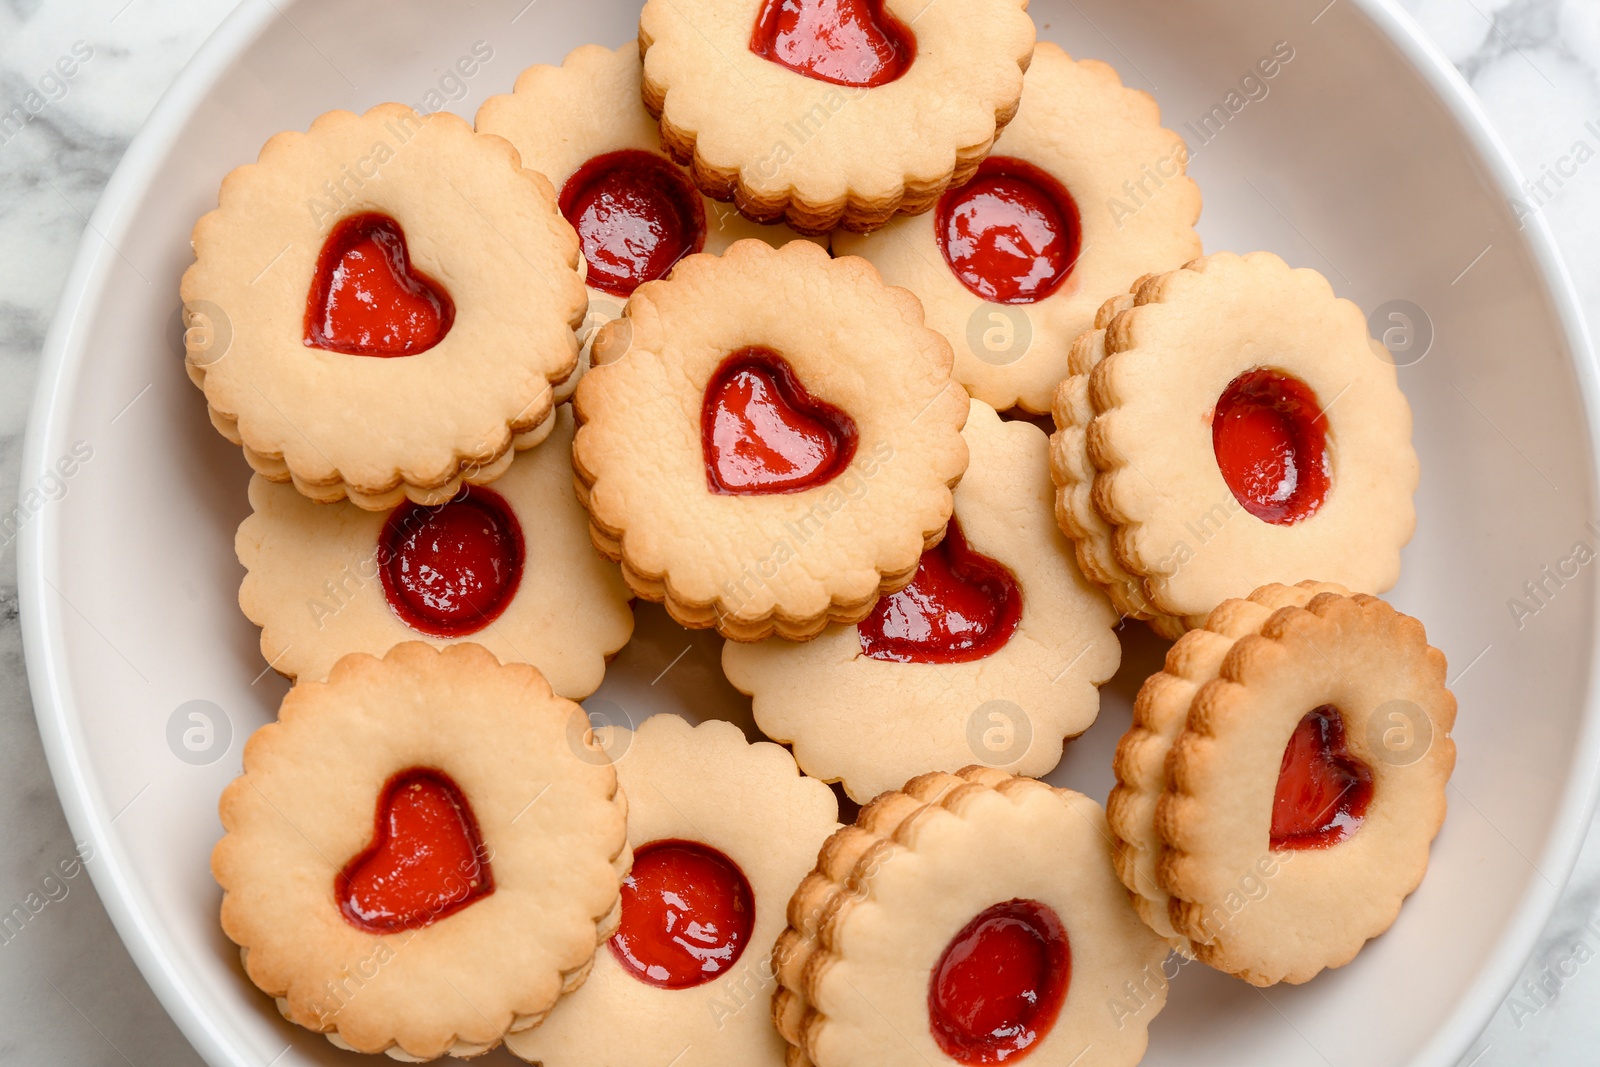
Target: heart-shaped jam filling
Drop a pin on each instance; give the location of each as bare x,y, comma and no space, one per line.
366,300
1271,441
451,570
687,912
959,607
636,216
1323,791
1000,983
845,42
763,433
426,861
1011,235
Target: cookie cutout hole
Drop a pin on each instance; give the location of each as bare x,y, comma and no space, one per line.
366,299
427,859
1000,983
761,432
960,606
636,215
1270,439
1012,234
1323,791
449,571
843,42
687,912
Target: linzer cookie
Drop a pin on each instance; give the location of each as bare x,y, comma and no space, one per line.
1283,779
1229,425
969,919
390,298
768,440
830,114
993,653
507,566
1084,192
422,854
722,832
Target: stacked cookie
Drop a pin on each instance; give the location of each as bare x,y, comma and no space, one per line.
755,318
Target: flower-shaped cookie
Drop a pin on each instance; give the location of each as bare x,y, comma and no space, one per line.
509,567
1229,425
389,299
948,925
768,440
423,853
994,652
722,832
1084,192
1282,780
832,113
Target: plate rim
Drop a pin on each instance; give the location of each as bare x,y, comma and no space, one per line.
61,360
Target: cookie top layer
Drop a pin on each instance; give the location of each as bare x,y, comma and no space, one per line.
551,852
466,222
873,721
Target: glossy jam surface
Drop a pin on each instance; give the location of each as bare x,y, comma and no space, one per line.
636,215
1011,235
761,432
366,300
845,42
960,606
1323,791
426,861
998,987
451,570
1270,438
687,911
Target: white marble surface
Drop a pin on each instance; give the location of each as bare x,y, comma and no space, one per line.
69,993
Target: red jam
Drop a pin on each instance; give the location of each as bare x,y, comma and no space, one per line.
366,300
845,42
1011,235
1000,983
1271,437
1323,791
636,216
959,607
763,433
687,912
426,861
451,570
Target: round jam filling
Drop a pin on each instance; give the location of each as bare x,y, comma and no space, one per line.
451,570
1270,438
1323,791
998,987
426,861
636,216
845,42
687,911
960,606
761,432
1011,235
366,300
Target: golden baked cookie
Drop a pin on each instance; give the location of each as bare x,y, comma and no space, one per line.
948,925
1229,425
994,652
1282,780
1084,192
832,113
722,832
423,853
507,566
768,440
389,300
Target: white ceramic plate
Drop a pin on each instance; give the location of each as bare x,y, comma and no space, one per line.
1364,158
